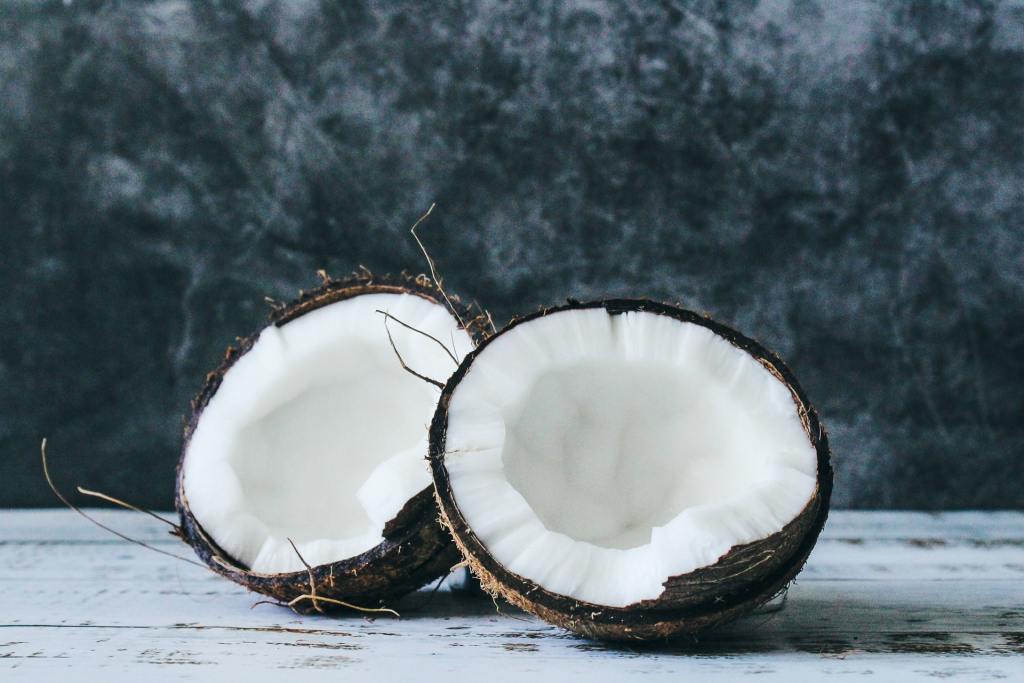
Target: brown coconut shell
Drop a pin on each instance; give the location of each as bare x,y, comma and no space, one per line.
415,550
744,578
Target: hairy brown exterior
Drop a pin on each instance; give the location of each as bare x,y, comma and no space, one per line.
414,550
744,578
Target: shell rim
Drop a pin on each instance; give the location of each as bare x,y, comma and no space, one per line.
649,613
404,528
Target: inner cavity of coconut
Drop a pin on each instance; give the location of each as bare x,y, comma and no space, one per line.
317,435
598,455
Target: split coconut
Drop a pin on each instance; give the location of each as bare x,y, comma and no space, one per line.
303,470
628,469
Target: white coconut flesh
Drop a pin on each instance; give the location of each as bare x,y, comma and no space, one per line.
598,455
317,434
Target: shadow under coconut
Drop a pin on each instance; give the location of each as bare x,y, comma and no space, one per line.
817,622
842,627
448,604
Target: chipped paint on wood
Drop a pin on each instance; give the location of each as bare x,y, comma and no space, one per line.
885,596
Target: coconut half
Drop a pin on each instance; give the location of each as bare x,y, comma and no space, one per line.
628,469
312,433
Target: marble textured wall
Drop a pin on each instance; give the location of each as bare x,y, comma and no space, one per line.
841,180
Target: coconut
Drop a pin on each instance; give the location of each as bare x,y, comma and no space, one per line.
302,472
628,469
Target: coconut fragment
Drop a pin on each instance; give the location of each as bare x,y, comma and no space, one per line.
306,446
628,469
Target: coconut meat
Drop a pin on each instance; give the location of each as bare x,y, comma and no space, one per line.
597,455
317,435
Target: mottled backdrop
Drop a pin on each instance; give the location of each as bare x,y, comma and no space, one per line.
841,180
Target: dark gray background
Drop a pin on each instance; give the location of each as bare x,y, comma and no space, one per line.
841,180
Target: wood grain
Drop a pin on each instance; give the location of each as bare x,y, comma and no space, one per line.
886,596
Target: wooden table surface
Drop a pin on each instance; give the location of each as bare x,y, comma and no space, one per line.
885,596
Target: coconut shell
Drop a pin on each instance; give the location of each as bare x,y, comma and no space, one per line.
744,578
415,550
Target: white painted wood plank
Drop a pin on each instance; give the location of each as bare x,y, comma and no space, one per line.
895,595
39,549
119,655
1008,524
830,562
819,609
257,656
61,525
64,526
